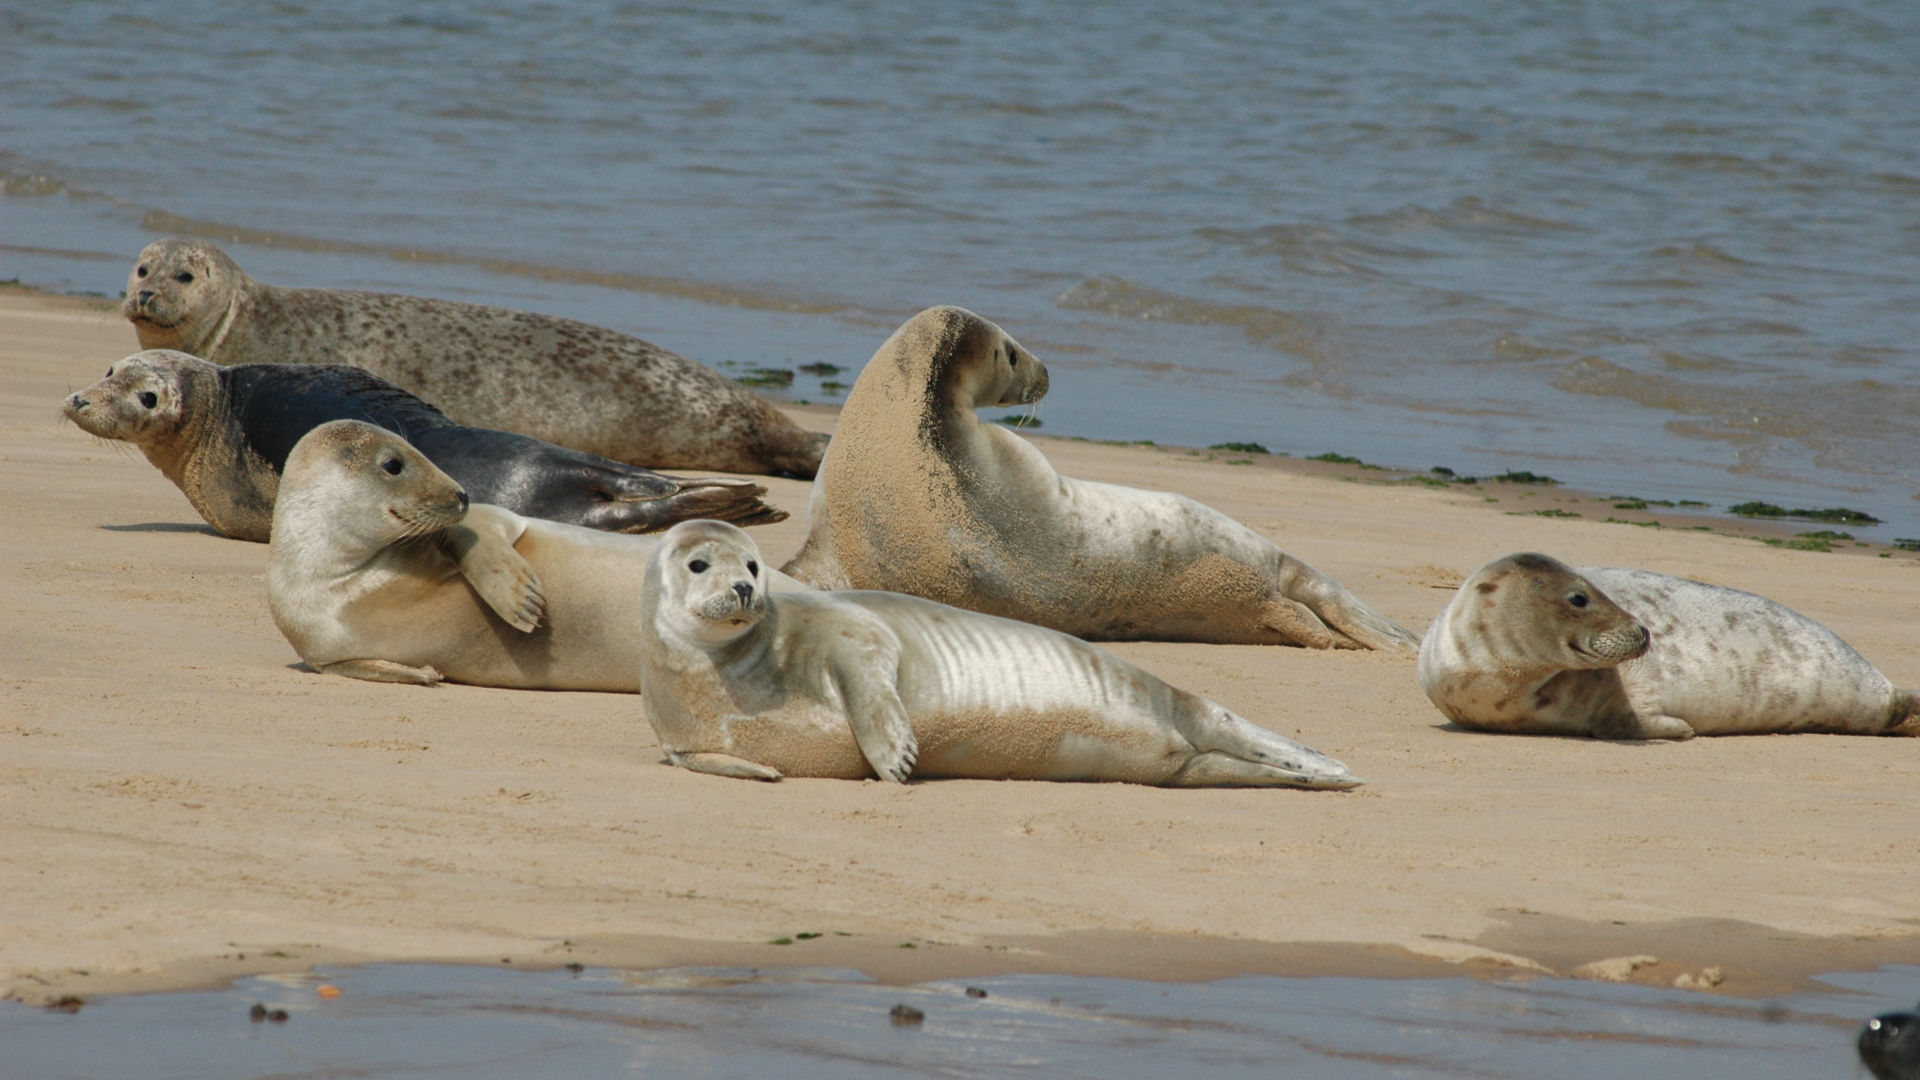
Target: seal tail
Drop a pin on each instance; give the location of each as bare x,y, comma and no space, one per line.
791,450
718,498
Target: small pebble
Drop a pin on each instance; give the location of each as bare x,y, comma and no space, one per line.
975,992
257,1013
905,1015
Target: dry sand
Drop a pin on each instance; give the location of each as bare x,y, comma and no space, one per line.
183,803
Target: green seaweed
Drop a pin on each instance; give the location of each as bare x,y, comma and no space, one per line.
767,377
1241,447
1555,513
1336,459
1838,515
1524,476
1020,420
821,369
1907,543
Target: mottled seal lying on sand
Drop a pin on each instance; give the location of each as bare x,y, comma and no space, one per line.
1889,1046
222,435
1530,644
381,570
859,684
556,379
917,495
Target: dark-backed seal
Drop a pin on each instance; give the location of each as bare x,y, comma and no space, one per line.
861,684
1889,1046
222,435
567,382
917,495
1529,644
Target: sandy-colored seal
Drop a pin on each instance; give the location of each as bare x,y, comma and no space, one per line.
1530,644
222,435
381,570
567,382
860,684
918,495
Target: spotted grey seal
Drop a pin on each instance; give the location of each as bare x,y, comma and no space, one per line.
567,382
222,435
918,495
1529,644
859,684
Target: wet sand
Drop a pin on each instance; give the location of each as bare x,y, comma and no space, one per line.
183,803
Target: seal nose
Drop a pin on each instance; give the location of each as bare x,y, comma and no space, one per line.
463,500
146,297
744,590
76,403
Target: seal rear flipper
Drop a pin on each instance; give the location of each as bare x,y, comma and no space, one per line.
1265,758
1904,718
482,545
723,765
382,671
1217,769
736,502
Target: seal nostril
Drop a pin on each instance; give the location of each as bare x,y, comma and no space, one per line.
744,591
463,500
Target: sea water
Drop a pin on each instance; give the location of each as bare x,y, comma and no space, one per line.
477,1023
1666,250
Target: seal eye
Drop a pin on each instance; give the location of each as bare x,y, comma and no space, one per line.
753,568
698,566
1578,600
149,398
109,373
141,272
1013,358
184,277
392,466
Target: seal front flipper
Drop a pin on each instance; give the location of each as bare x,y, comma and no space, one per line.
382,671
1641,726
482,544
863,668
723,765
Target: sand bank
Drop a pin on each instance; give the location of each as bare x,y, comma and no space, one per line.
181,802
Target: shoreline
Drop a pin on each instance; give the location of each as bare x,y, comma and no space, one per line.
175,783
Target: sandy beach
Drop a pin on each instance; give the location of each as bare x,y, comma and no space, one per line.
184,803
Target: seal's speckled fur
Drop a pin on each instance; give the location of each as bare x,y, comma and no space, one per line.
1529,644
567,382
